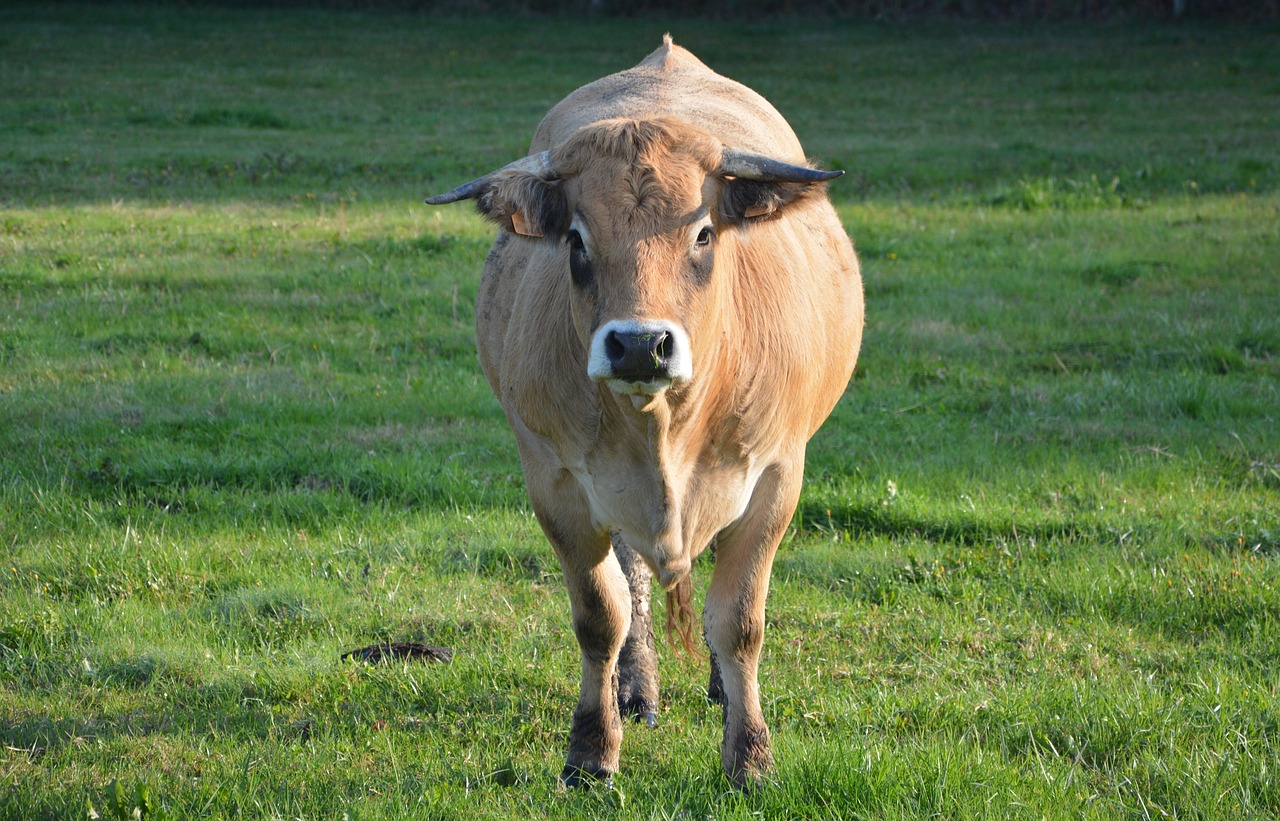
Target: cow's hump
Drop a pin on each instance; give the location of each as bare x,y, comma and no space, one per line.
672,82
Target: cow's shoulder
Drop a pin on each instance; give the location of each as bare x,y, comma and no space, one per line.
528,351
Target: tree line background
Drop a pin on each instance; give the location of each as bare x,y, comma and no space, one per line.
894,10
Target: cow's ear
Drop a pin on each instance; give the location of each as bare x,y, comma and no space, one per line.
525,204
744,200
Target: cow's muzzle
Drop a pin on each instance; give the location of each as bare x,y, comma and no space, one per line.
640,356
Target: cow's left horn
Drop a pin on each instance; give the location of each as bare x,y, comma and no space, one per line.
749,166
537,164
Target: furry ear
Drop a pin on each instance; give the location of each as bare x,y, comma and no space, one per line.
744,200
524,204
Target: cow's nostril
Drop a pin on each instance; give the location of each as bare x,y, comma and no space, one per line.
614,347
663,349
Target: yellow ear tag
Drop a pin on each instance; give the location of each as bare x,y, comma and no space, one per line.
522,226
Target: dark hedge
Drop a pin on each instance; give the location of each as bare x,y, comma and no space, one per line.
895,10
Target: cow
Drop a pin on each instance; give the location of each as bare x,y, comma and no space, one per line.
669,311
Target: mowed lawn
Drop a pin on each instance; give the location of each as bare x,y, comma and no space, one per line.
1036,569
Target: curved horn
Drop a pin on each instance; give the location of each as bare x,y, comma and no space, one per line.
750,166
537,164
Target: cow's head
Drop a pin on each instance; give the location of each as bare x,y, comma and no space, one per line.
636,210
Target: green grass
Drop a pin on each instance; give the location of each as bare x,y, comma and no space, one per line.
1035,569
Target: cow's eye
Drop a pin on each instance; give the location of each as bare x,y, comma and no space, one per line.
705,236
579,262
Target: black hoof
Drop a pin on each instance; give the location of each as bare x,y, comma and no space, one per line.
641,710
638,707
574,777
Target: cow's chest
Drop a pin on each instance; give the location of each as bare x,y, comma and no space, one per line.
666,511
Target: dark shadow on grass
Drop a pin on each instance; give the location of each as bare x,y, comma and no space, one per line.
39,733
500,562
874,518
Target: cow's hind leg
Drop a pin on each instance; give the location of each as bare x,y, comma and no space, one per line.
638,660
734,619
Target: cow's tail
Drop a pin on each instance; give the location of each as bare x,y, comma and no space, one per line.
680,619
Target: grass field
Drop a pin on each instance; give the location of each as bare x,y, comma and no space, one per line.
1036,568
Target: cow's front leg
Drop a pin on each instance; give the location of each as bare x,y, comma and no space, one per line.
601,602
638,661
734,619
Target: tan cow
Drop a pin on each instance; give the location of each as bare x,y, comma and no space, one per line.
669,312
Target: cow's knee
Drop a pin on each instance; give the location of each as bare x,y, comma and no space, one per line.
601,602
734,632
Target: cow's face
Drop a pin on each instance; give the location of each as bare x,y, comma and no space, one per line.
640,252
638,212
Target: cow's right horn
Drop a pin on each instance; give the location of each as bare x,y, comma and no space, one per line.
747,165
537,164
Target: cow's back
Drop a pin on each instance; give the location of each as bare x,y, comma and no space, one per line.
671,82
